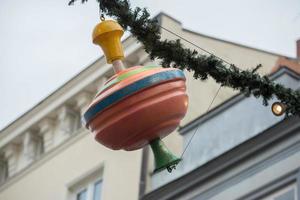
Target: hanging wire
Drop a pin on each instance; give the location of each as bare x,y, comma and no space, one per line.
194,44
190,140
211,103
175,34
102,18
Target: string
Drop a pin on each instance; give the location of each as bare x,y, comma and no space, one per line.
102,18
190,140
194,44
211,103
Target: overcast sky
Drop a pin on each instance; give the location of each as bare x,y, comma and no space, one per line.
45,43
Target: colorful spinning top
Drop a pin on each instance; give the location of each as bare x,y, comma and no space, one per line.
138,105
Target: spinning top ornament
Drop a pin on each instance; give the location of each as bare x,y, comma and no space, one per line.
138,105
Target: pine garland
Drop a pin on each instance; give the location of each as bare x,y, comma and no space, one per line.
173,54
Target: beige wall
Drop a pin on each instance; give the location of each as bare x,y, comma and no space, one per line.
50,177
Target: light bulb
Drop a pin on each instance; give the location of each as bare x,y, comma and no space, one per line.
278,108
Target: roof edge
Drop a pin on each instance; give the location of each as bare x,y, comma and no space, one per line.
161,14
236,43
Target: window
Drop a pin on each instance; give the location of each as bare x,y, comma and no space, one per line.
87,186
97,190
82,195
91,191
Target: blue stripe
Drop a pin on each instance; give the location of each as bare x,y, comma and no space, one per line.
130,89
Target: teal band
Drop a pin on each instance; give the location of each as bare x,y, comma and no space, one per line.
118,95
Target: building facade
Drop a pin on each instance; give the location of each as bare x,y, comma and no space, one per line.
240,151
47,154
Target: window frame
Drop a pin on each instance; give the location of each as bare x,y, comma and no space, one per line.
80,191
274,195
278,184
89,187
94,186
86,181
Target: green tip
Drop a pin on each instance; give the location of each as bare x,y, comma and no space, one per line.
164,159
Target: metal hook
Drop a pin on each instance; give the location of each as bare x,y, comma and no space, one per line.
102,18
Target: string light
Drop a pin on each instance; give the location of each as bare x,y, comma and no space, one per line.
278,108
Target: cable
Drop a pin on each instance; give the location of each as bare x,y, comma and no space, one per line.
189,142
194,44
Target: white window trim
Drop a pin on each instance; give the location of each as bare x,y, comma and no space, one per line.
85,181
89,187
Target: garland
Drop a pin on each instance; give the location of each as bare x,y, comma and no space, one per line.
173,54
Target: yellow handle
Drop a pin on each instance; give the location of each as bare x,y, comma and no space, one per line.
108,35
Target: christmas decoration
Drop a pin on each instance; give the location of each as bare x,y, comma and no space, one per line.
173,54
278,108
138,105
